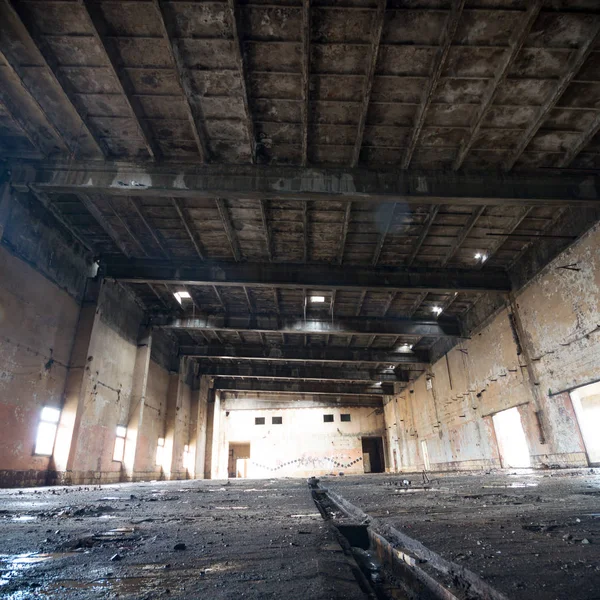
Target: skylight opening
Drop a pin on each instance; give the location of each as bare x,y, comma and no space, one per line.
181,296
436,310
317,299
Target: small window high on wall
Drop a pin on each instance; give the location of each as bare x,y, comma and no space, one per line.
46,434
119,450
277,420
327,418
259,420
345,418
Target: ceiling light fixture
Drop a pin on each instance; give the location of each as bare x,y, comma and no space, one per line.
436,310
317,299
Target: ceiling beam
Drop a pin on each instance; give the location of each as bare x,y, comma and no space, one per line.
300,184
584,139
423,234
136,202
515,43
93,14
229,230
305,78
306,373
187,225
297,276
268,400
344,235
575,62
388,217
48,139
432,82
499,242
193,111
234,18
464,232
341,326
49,69
377,29
286,353
304,387
264,215
305,232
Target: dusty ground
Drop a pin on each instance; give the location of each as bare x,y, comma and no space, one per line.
244,539
530,535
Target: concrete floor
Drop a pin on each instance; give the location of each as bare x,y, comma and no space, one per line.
524,534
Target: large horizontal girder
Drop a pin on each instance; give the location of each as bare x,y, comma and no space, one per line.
305,387
337,326
306,353
305,183
305,373
294,276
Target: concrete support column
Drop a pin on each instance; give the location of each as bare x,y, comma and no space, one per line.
79,381
5,203
216,438
198,436
138,400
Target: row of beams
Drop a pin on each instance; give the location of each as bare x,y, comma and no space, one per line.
295,276
332,354
515,43
304,387
274,399
438,66
340,326
301,184
306,373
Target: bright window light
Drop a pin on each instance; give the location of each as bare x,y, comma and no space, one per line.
436,310
160,451
477,255
480,256
317,299
46,434
119,450
405,348
187,462
181,296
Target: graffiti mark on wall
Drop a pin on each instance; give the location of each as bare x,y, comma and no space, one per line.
311,462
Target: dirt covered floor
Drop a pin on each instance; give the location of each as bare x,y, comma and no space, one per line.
530,535
182,539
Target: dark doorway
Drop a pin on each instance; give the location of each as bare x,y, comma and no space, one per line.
373,461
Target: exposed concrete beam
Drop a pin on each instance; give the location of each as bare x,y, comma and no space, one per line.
295,276
10,15
423,234
187,225
388,217
95,18
515,43
306,373
304,387
575,62
151,230
47,139
464,232
584,139
439,61
265,221
308,354
305,232
297,183
305,78
341,326
241,65
377,29
184,80
345,226
499,242
229,231
266,400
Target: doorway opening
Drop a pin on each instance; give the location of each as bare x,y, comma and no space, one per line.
586,402
373,460
239,456
512,443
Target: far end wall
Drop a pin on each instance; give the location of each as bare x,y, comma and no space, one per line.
303,445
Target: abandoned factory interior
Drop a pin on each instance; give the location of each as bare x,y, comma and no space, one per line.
300,299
